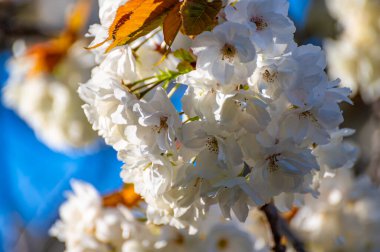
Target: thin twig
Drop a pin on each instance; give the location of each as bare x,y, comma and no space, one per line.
273,220
280,228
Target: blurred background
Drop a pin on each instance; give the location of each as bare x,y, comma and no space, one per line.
35,172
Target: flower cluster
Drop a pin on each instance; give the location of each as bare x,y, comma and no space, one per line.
259,114
86,224
355,55
346,210
44,94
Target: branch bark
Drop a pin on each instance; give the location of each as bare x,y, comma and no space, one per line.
280,228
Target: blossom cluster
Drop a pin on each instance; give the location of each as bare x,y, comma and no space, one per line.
355,54
259,120
48,100
344,218
86,224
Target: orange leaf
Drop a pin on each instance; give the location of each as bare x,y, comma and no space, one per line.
130,197
79,16
126,197
172,24
48,55
112,200
137,18
288,216
123,14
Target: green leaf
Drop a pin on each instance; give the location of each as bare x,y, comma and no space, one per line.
184,67
184,55
192,119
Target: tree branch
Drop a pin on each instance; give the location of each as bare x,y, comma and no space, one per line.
280,228
273,219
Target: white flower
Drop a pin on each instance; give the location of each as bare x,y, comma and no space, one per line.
354,56
78,219
243,110
315,120
268,21
86,225
278,165
159,180
259,116
237,196
228,238
226,53
295,74
172,239
342,58
117,114
121,63
152,177
199,79
109,227
337,154
336,221
201,103
48,102
219,168
108,106
214,149
162,212
135,246
107,13
160,120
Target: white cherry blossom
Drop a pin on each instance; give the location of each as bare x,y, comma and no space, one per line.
268,21
48,101
226,53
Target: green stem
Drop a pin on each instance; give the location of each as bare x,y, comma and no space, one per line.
139,81
145,40
164,77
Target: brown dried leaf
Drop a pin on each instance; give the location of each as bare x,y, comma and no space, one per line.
172,24
199,15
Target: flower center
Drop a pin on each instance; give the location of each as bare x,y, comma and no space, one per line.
269,77
260,23
179,239
242,104
222,243
308,114
273,159
163,124
212,144
228,52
